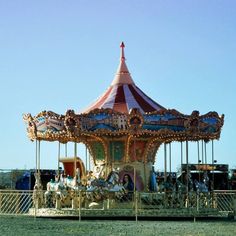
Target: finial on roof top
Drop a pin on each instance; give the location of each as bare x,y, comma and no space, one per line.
122,45
122,75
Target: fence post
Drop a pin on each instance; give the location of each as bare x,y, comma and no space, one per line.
74,200
234,202
0,201
80,205
197,202
136,205
35,199
58,202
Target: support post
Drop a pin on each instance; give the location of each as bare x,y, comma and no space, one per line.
202,153
165,163
80,197
38,158
198,161
75,158
66,150
135,197
205,143
136,206
187,172
89,159
59,155
74,200
170,157
213,168
86,157
181,152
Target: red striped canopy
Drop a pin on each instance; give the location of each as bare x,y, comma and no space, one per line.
123,94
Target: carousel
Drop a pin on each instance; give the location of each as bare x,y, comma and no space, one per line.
122,132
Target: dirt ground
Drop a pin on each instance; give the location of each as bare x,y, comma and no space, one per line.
19,226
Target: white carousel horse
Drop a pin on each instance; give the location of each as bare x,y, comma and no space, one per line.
99,171
114,184
62,191
49,194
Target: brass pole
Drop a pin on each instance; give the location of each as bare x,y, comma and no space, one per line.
89,159
80,205
213,167
170,156
165,163
202,153
75,157
86,157
36,173
113,157
36,156
135,149
187,166
39,157
66,150
134,179
198,161
59,154
135,196
181,152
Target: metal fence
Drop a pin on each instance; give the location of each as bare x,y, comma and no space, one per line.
226,201
15,202
81,203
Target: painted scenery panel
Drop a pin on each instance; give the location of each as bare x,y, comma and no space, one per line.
98,121
47,123
117,150
98,150
208,124
166,121
136,150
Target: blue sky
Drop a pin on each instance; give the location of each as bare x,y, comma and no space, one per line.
59,55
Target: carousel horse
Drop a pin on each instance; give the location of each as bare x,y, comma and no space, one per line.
50,194
114,184
62,191
100,189
95,189
95,183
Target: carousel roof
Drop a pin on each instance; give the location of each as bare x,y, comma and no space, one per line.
123,94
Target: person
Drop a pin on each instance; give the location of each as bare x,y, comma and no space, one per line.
90,178
168,184
153,181
128,183
129,187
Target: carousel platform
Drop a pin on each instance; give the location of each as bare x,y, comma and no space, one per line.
125,213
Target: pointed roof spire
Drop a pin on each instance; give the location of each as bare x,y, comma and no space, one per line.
122,45
123,94
122,75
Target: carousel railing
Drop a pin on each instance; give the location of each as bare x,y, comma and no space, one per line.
82,202
225,200
14,202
